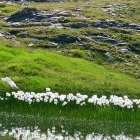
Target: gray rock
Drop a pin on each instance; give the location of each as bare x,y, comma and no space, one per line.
10,82
124,50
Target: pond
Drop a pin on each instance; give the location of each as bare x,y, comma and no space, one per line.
40,121
15,126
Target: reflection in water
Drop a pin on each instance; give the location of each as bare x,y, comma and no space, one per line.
26,133
14,126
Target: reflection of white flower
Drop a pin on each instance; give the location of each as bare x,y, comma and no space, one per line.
1,98
64,103
25,133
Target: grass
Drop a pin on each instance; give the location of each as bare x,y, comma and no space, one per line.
34,70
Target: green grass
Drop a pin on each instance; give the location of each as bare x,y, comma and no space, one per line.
34,70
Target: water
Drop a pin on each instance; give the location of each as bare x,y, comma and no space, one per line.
14,126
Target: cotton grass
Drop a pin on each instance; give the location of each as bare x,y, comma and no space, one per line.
55,98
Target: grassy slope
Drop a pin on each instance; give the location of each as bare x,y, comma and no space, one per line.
37,69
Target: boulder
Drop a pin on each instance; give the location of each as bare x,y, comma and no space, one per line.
64,39
10,82
27,14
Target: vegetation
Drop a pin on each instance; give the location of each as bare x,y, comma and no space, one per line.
34,70
71,53
70,112
90,11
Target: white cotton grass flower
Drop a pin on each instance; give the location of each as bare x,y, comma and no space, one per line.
48,89
8,94
78,99
62,98
93,99
136,101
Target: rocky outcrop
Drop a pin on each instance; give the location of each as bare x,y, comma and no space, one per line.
34,15
64,39
10,82
55,18
27,14
135,47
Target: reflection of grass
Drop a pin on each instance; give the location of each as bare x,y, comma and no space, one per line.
86,119
36,70
72,111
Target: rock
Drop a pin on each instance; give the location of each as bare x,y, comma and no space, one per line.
122,44
64,13
7,35
109,56
15,23
54,44
1,35
114,8
135,47
57,25
27,14
30,45
64,39
124,50
116,24
2,2
10,82
77,25
33,15
22,34
103,38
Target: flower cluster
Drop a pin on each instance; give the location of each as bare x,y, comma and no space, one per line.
78,99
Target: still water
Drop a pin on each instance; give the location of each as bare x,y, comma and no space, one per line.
19,127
